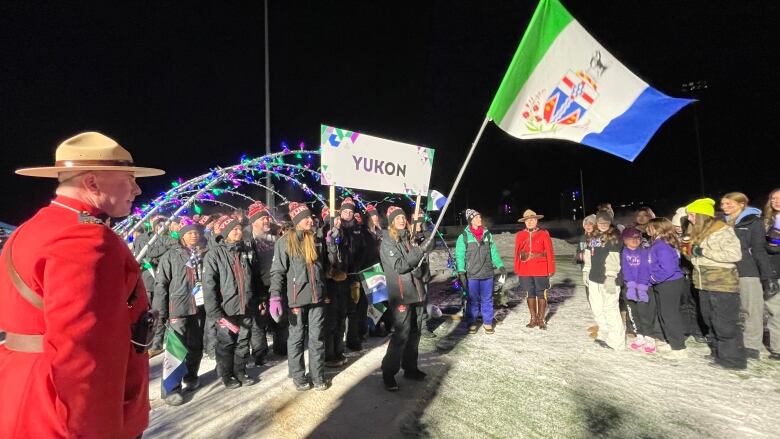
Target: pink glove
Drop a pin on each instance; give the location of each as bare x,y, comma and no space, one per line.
225,323
275,307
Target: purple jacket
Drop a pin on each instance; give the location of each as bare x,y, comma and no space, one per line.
664,262
636,265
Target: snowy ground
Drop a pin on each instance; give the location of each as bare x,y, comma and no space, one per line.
517,383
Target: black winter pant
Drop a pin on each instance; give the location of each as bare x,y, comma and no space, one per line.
311,318
645,317
210,337
357,319
405,341
693,324
281,332
258,340
721,314
159,329
190,332
336,319
233,349
669,295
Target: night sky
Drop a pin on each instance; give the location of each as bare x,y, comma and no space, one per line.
181,86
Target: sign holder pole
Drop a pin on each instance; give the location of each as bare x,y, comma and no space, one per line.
332,202
451,195
418,226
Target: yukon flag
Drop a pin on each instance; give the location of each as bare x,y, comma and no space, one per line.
174,367
375,286
563,84
436,200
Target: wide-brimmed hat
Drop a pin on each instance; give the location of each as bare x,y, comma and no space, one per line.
529,214
90,151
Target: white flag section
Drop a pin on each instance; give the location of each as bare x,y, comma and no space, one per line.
354,160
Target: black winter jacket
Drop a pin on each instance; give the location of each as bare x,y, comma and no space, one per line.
174,282
305,283
755,261
229,278
405,279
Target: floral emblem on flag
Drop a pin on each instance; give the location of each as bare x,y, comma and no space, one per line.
568,103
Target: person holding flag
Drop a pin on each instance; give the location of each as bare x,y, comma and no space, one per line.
535,265
476,256
405,273
178,298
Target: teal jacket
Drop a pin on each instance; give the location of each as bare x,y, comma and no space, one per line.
476,259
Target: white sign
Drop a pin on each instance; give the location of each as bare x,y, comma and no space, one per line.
354,160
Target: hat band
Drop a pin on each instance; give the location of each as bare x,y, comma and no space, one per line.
78,163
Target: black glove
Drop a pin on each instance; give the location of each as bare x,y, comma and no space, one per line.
502,270
771,288
428,245
462,279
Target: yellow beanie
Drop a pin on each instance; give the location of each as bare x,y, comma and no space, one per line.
703,206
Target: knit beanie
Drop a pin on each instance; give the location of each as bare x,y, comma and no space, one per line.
371,210
604,217
298,212
470,214
392,212
631,232
679,214
224,225
188,225
347,204
590,219
702,206
256,211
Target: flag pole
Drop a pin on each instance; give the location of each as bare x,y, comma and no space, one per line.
451,194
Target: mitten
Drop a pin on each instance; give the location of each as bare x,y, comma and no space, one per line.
631,293
275,307
642,293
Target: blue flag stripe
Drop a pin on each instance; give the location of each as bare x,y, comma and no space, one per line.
628,134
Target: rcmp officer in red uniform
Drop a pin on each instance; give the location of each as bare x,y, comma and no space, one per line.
74,308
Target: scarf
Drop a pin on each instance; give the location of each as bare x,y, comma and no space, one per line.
478,232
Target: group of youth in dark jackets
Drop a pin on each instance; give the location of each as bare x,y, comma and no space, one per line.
221,283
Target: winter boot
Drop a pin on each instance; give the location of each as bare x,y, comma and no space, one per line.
541,313
649,345
638,343
532,311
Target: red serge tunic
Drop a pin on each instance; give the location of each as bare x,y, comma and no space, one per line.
534,254
88,381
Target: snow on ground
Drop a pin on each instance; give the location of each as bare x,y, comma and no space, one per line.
517,383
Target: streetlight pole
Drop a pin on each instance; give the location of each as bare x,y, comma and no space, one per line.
693,88
269,195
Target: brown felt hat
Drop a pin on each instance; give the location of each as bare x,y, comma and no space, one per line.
529,214
90,151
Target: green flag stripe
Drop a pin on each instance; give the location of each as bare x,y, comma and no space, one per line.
174,345
549,19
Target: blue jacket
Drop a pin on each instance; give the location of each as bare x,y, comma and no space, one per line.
664,262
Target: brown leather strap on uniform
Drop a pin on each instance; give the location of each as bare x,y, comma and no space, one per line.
24,342
21,287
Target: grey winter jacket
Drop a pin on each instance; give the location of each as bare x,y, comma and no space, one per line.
750,231
305,283
174,282
229,278
405,279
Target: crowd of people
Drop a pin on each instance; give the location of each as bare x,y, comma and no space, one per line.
703,274
222,282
